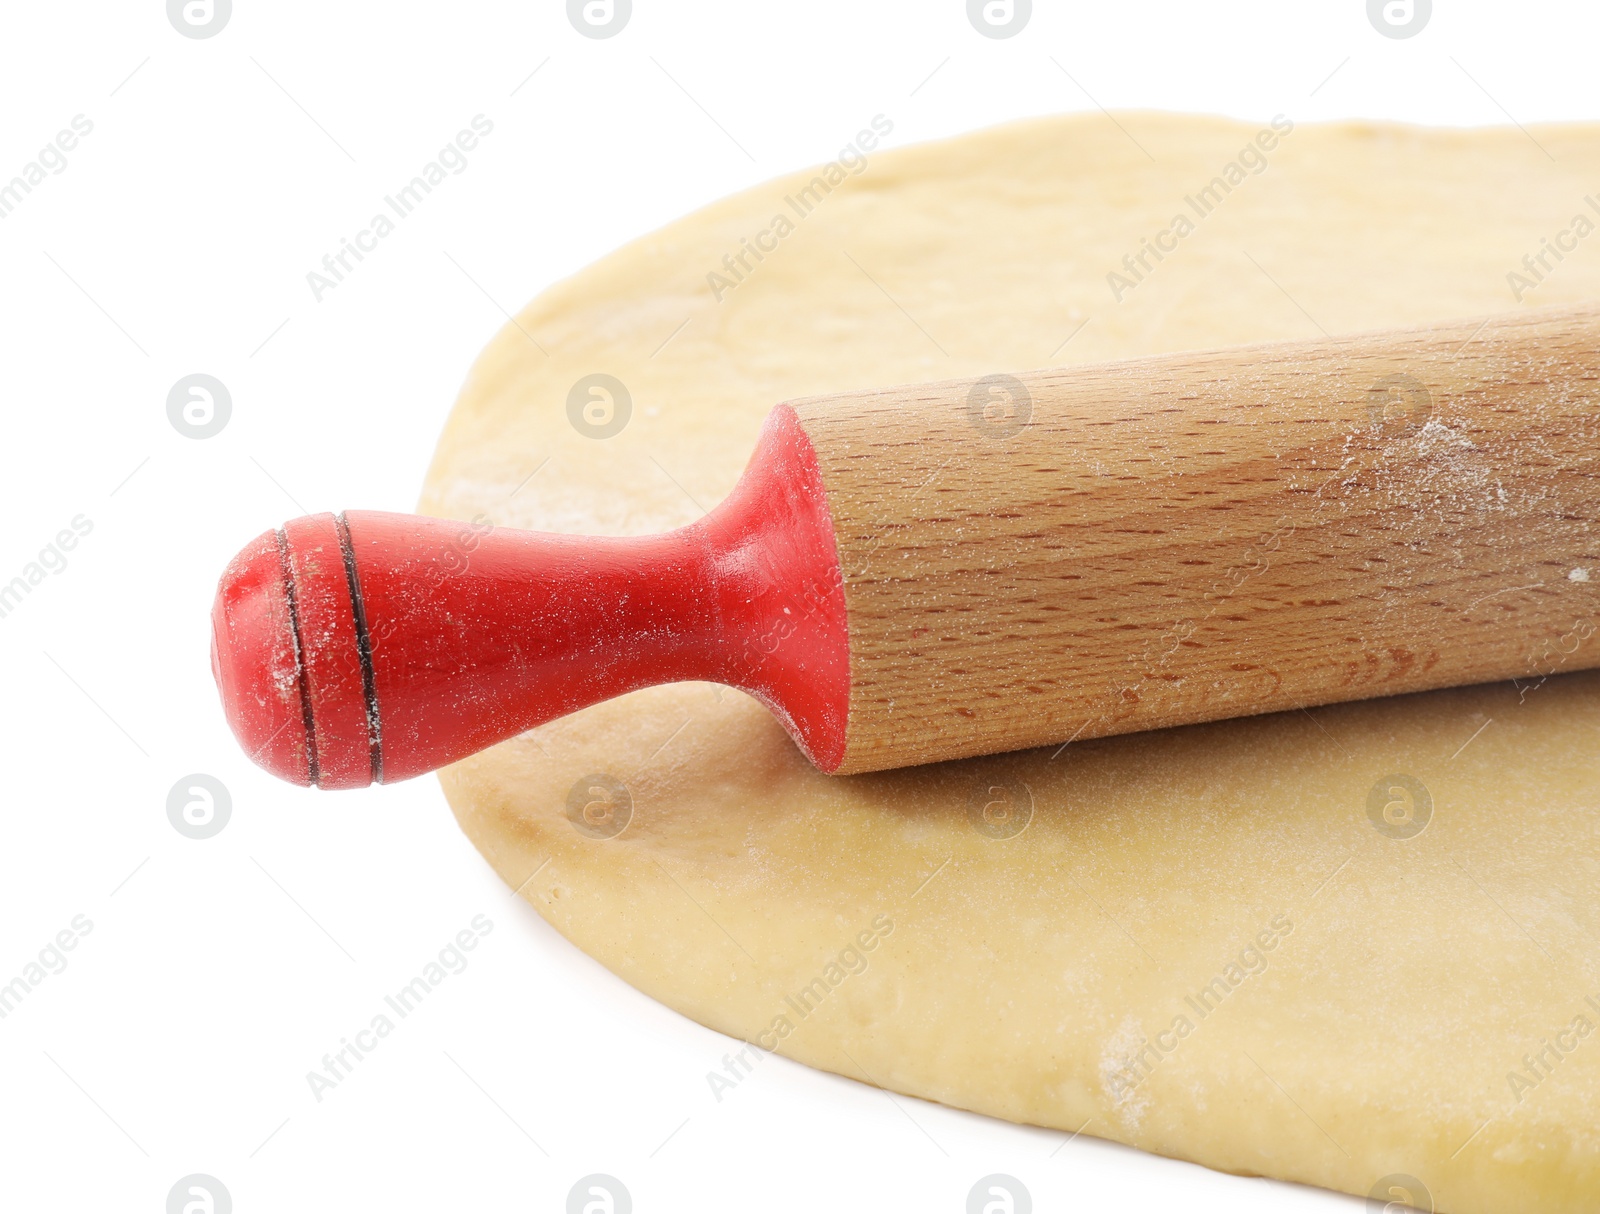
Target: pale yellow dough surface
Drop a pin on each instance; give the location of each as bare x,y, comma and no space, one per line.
1021,976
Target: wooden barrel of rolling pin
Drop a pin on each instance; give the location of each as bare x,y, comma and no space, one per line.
1082,552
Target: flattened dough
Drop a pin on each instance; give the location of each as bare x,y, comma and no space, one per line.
1039,977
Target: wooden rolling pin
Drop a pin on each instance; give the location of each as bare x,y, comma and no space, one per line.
959,568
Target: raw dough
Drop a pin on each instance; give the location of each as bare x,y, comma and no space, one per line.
1371,995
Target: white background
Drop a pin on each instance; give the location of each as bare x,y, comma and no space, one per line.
177,240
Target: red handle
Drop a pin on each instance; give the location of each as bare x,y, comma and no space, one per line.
374,647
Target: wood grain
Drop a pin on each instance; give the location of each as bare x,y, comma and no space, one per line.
1076,553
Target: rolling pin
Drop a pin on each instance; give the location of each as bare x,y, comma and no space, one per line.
960,568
